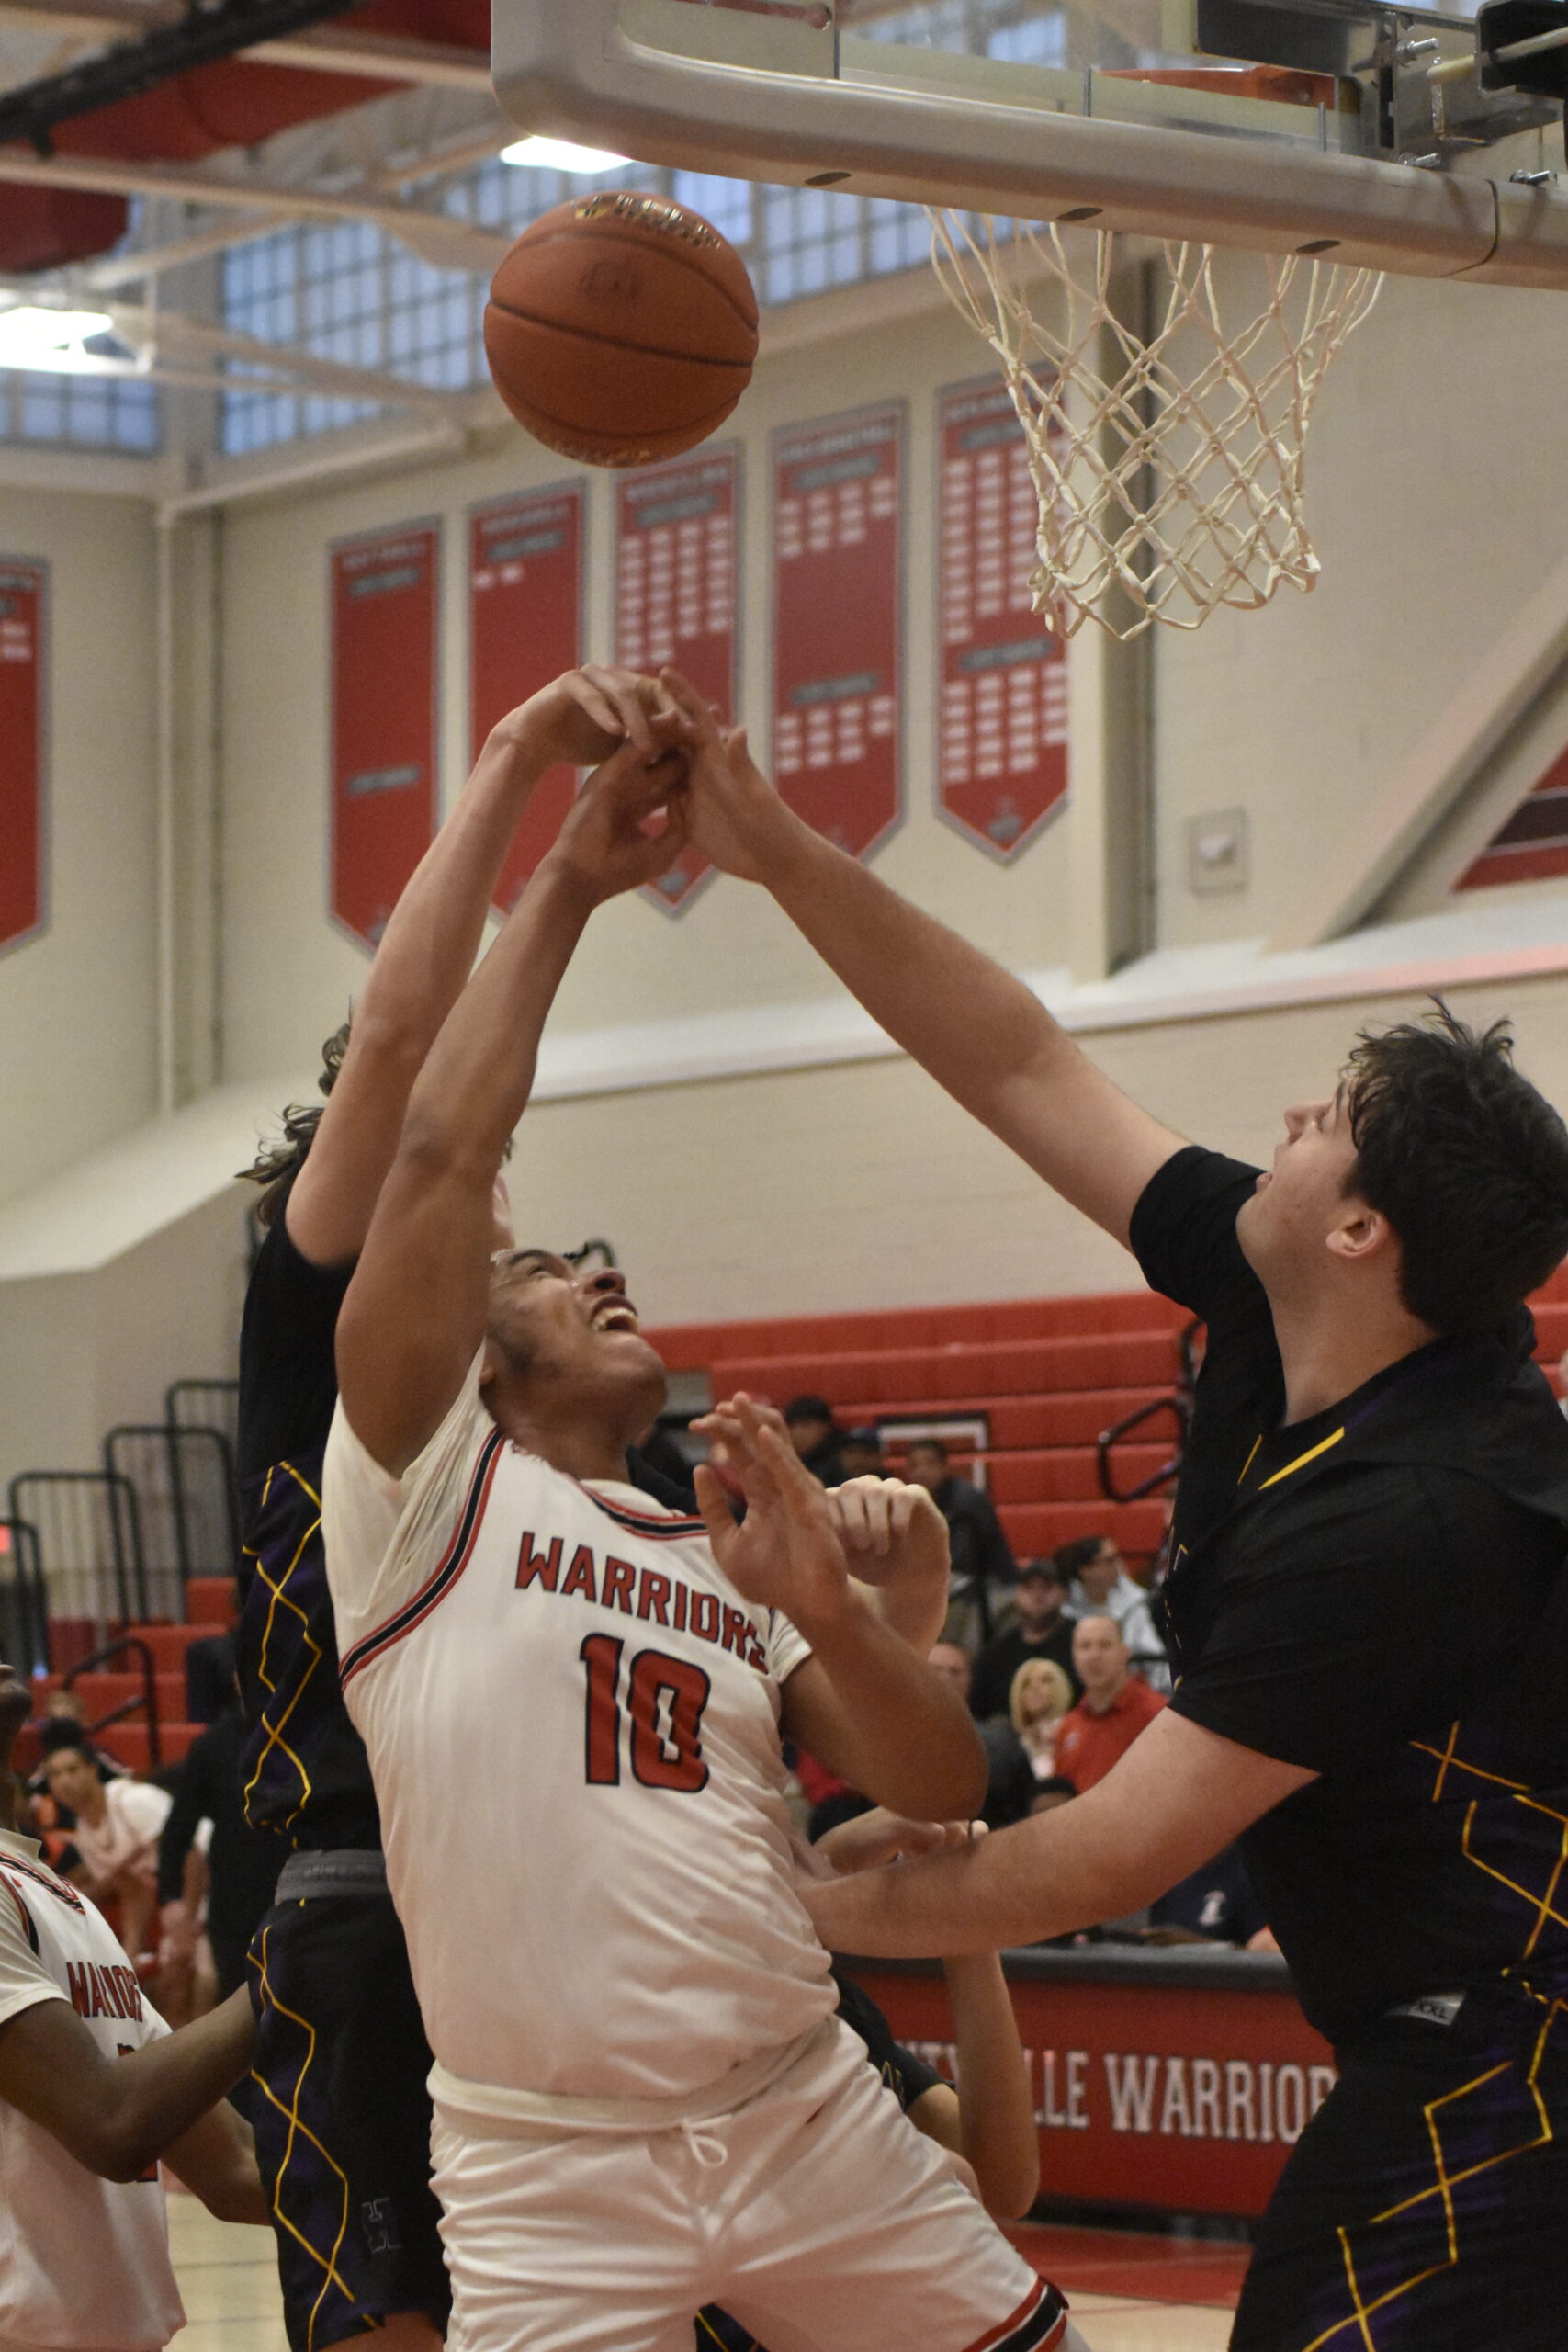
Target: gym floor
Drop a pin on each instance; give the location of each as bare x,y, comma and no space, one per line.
1129,2293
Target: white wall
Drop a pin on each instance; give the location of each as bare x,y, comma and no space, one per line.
1437,505
76,1001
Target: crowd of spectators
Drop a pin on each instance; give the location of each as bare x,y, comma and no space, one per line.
1059,1659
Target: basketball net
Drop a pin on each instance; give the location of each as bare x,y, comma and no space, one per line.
1168,464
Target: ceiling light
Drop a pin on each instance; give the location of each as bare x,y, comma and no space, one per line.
561,156
53,339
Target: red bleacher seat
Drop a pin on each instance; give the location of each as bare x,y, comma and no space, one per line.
694,1346
215,1601
989,1368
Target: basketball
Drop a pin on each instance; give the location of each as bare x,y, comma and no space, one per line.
621,329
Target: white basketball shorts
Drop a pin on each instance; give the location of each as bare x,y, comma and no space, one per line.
815,2214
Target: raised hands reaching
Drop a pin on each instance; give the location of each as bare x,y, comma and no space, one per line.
789,1553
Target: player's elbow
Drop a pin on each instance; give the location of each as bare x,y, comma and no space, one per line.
114,2144
1009,2178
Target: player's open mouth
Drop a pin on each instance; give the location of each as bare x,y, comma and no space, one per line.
617,1315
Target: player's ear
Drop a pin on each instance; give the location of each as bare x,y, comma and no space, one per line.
1359,1232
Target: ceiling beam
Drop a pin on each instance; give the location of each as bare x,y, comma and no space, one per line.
436,237
319,49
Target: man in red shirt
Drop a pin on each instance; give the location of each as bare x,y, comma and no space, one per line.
1117,1705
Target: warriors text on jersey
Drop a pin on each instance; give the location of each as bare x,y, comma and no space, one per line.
573,1724
83,2262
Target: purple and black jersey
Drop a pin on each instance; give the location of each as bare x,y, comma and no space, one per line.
304,1769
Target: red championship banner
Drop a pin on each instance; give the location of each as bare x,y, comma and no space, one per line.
1002,757
1176,2094
1533,845
677,592
837,623
23,591
385,601
524,628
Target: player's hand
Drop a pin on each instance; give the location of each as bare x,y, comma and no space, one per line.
629,824
739,821
787,1553
891,1529
877,1837
584,714
178,1938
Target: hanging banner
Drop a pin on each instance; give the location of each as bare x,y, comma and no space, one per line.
677,595
838,624
524,628
23,591
1002,738
385,615
1533,845
1151,2087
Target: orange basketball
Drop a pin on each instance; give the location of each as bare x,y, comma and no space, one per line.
621,329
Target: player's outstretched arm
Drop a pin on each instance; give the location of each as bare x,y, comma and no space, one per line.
865,1703
427,950
989,2121
216,2159
117,2116
979,1031
414,1314
1176,1798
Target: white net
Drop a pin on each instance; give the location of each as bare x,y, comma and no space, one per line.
1168,462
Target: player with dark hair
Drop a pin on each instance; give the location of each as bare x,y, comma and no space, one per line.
342,2110
644,2101
94,2090
1368,1607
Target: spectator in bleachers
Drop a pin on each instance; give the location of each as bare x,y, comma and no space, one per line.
983,1564
1010,1777
116,1831
860,1450
65,1726
815,1436
1216,1905
1039,1701
1042,1630
211,1689
1117,1705
1098,1584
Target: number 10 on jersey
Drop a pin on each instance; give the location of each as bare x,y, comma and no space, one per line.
664,1754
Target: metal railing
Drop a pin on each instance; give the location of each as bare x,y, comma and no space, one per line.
24,1604
147,1700
189,1506
1178,1404
89,1542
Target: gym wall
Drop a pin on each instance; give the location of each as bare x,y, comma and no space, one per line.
76,997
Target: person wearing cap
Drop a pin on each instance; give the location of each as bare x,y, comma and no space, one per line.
816,1438
860,1450
1042,1630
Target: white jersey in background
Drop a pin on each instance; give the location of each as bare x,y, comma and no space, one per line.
572,1722
83,2262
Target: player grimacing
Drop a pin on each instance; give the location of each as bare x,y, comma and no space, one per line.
342,2110
644,2102
1369,1605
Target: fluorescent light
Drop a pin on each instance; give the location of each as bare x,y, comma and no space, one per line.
561,156
53,339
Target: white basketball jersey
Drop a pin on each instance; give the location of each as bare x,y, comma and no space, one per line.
572,1722
83,2261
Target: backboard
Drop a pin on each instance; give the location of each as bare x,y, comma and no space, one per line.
1333,127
